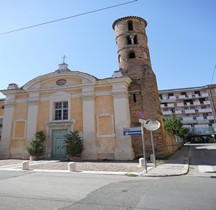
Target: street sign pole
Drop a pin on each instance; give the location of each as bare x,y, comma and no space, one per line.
153,149
144,153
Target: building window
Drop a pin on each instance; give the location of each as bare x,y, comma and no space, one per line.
61,110
131,55
130,25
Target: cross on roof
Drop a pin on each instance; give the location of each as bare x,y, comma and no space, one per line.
64,58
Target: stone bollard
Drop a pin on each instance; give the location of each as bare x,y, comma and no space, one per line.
152,158
141,162
25,165
71,167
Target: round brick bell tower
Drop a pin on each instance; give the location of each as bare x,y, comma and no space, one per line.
134,62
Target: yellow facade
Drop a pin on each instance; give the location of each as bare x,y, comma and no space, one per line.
64,101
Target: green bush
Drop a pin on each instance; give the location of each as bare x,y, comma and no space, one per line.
74,144
174,125
36,147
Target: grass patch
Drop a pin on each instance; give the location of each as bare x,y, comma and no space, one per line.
131,175
159,162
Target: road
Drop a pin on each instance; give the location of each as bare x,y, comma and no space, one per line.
39,190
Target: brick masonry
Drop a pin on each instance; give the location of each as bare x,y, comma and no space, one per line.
143,91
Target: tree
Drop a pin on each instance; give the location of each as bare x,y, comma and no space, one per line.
36,147
74,144
174,125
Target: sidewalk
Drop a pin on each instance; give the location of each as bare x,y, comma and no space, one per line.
176,165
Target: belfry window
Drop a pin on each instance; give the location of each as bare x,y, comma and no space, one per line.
135,39
61,110
132,39
119,58
129,40
131,55
130,25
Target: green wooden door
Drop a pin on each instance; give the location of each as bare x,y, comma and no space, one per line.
58,146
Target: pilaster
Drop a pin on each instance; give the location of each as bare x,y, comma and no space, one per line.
89,133
7,127
32,118
123,150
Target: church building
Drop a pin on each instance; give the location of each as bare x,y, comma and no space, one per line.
66,100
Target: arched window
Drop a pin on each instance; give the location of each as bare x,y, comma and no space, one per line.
131,55
130,25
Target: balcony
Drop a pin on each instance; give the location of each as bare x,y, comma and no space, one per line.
196,103
193,96
206,102
182,96
210,117
178,112
172,97
202,126
187,126
189,111
180,104
167,112
168,99
204,121
170,105
205,110
187,118
186,122
204,94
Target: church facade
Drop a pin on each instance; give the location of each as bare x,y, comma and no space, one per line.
99,109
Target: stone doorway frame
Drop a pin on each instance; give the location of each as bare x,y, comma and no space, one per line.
56,125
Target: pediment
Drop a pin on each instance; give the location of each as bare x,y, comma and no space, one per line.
60,79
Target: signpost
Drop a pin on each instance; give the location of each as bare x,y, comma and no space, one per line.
151,125
137,131
132,131
140,114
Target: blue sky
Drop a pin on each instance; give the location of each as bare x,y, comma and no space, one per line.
181,38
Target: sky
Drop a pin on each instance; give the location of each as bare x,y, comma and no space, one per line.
181,39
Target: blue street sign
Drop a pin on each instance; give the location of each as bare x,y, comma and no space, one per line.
132,131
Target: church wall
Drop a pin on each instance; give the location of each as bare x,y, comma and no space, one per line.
76,113
21,96
43,115
17,148
20,111
105,132
18,130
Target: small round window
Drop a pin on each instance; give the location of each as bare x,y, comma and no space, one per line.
61,82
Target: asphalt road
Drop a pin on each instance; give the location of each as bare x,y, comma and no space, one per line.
34,190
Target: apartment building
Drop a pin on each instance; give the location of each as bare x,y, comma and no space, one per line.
195,106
